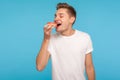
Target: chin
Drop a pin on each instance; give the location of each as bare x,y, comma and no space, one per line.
59,30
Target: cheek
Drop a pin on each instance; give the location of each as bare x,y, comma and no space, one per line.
65,22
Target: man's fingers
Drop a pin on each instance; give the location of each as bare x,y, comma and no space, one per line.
48,27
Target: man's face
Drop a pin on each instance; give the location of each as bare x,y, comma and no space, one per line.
63,19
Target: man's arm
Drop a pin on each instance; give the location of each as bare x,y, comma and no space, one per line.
89,67
43,55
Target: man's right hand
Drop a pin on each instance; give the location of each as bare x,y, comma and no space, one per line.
47,29
44,55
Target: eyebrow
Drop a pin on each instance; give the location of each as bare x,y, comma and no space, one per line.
58,14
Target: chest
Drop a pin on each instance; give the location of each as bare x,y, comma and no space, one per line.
75,46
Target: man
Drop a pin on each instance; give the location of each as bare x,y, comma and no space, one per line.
70,50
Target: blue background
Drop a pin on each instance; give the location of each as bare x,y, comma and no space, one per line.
21,34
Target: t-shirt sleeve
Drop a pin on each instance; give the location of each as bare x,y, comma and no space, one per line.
89,45
50,47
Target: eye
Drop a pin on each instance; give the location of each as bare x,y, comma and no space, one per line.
61,15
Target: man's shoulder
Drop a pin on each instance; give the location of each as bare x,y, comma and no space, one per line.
82,33
84,36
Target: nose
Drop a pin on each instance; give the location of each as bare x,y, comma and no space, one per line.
56,19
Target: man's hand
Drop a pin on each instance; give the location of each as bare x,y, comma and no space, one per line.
47,29
43,56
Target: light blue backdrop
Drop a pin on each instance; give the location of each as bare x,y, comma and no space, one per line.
21,34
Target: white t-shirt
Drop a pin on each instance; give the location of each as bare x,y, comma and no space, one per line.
68,55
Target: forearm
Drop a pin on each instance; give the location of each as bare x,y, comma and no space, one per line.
90,73
43,56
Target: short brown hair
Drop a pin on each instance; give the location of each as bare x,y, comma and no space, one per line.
70,9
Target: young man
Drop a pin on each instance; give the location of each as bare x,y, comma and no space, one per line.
70,50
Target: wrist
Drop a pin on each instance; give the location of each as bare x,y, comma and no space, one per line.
46,39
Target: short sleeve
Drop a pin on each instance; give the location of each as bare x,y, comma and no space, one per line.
50,47
89,47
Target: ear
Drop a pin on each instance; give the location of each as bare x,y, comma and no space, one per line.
72,19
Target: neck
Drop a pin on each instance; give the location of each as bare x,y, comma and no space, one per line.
68,32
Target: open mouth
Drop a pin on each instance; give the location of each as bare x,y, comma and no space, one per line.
59,23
